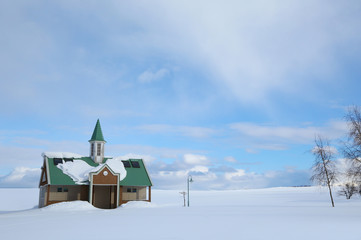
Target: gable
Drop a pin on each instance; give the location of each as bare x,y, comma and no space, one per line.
104,176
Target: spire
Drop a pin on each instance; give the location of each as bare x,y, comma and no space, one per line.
97,134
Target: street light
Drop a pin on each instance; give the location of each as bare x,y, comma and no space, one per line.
189,180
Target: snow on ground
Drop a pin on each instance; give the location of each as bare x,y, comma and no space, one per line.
276,213
138,204
70,206
17,199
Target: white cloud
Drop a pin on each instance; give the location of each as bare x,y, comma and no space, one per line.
189,131
21,177
269,132
207,179
150,76
281,135
193,159
267,146
248,49
286,177
230,159
251,48
26,151
19,173
231,175
146,150
201,169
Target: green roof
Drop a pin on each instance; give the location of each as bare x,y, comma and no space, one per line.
56,175
97,134
135,176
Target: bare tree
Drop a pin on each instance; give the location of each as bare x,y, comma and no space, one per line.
348,190
352,147
324,169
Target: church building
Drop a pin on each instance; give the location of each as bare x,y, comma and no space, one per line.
105,182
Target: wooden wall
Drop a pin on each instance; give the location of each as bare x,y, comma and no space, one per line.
77,192
105,179
140,194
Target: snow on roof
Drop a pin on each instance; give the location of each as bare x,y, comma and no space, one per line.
117,166
79,170
60,155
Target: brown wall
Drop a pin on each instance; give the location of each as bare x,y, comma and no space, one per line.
108,179
120,195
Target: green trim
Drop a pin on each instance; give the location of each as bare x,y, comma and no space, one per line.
97,134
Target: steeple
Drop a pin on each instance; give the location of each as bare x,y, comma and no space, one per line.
97,134
97,144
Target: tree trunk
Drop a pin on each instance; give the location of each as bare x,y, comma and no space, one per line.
328,180
329,188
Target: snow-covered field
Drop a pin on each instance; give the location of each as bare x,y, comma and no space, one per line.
276,213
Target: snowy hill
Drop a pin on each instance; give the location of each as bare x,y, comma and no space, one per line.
276,213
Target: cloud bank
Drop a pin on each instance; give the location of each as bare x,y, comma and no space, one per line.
21,177
173,175
248,51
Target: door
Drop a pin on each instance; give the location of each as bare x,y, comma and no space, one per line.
102,196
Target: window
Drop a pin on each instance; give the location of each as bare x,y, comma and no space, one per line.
134,190
62,189
135,164
57,161
92,149
98,149
126,164
129,190
68,159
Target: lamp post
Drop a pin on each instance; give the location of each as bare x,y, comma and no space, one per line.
189,180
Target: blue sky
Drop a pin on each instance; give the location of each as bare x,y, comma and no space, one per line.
232,92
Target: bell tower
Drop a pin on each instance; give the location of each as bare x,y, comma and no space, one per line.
97,144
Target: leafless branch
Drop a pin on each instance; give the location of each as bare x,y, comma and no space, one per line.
324,169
